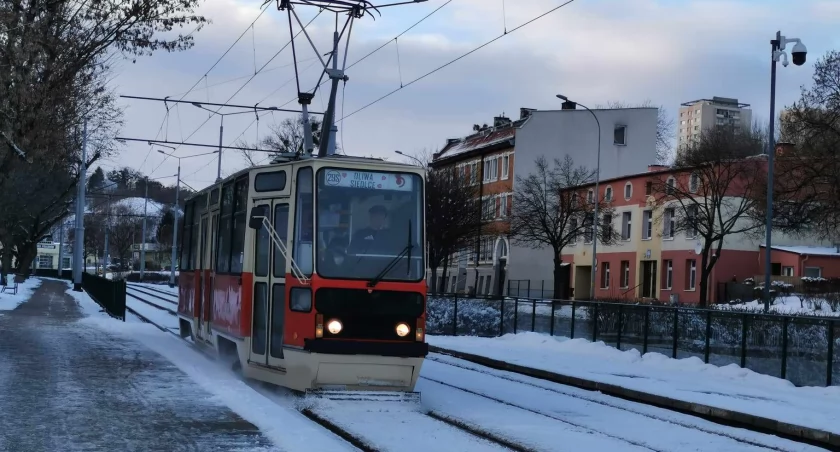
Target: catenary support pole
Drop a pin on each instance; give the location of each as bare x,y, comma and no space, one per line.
78,245
106,259
221,135
143,237
60,247
774,45
175,228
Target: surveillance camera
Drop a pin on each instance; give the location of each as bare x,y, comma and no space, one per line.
785,62
798,53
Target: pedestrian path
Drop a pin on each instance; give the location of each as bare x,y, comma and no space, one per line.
66,386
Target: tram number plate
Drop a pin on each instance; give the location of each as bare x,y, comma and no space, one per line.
367,180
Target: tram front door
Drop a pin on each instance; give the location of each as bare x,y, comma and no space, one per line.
209,224
269,291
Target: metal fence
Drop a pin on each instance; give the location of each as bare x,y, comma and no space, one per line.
801,349
109,294
524,288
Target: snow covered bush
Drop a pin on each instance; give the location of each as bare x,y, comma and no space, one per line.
476,317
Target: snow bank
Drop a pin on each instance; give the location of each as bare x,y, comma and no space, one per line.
788,305
728,387
9,301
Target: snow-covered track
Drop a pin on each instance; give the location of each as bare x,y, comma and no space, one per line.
566,403
153,304
160,295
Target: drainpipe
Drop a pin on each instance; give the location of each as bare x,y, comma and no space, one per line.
802,265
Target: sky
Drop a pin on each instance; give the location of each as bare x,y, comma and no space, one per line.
593,51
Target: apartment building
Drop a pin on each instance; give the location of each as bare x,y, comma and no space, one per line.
486,158
698,115
651,260
627,146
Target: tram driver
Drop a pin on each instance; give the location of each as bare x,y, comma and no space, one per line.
377,236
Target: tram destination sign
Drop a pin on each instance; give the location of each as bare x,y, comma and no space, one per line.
367,180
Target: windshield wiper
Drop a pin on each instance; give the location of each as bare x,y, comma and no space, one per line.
407,250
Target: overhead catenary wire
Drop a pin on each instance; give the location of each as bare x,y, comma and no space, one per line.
462,56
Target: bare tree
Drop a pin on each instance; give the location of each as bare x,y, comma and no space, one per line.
665,127
125,227
714,190
807,193
552,208
285,137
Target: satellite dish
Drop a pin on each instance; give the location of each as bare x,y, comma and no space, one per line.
698,248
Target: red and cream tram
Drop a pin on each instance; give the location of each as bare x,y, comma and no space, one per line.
310,273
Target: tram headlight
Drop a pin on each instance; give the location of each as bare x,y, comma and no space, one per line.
403,329
334,326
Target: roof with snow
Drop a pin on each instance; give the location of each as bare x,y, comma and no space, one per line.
489,138
809,250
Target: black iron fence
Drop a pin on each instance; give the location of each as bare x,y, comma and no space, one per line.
109,294
802,349
525,288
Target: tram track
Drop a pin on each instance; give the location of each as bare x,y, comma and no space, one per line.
172,298
154,305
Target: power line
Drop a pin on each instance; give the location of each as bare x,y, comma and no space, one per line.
457,59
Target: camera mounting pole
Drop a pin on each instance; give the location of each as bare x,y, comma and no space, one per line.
354,9
777,52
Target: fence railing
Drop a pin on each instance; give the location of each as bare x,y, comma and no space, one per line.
801,349
109,294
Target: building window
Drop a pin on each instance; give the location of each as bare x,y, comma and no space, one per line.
647,224
668,280
573,232
590,196
625,274
648,188
605,275
813,272
587,229
620,135
787,271
505,167
668,233
608,194
669,186
691,274
626,224
45,261
694,182
606,228
628,191
474,173
691,221
503,208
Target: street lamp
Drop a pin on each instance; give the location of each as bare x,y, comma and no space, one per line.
177,192
221,131
411,157
798,55
596,200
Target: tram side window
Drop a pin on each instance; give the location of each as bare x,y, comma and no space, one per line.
302,252
240,211
225,227
281,225
187,237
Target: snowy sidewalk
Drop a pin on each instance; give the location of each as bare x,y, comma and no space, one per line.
66,386
742,393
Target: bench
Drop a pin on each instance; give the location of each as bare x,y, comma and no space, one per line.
11,284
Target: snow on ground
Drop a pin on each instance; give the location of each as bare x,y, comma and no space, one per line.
287,428
728,387
788,304
9,301
155,315
160,287
550,416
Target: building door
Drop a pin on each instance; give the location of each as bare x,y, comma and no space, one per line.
648,281
269,313
203,275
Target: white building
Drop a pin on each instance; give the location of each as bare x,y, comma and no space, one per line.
628,146
699,115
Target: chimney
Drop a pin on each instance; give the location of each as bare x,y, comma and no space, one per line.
500,121
452,140
568,105
653,168
525,112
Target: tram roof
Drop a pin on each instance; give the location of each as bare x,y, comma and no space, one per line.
334,157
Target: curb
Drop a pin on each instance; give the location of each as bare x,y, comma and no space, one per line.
761,424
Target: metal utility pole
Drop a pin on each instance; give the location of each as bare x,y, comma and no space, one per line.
60,248
107,230
143,238
80,216
221,134
175,228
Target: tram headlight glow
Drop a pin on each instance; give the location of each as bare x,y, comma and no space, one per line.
403,329
334,326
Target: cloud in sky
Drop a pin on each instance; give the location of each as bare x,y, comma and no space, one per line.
595,51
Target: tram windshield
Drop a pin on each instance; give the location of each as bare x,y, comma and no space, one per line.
370,225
